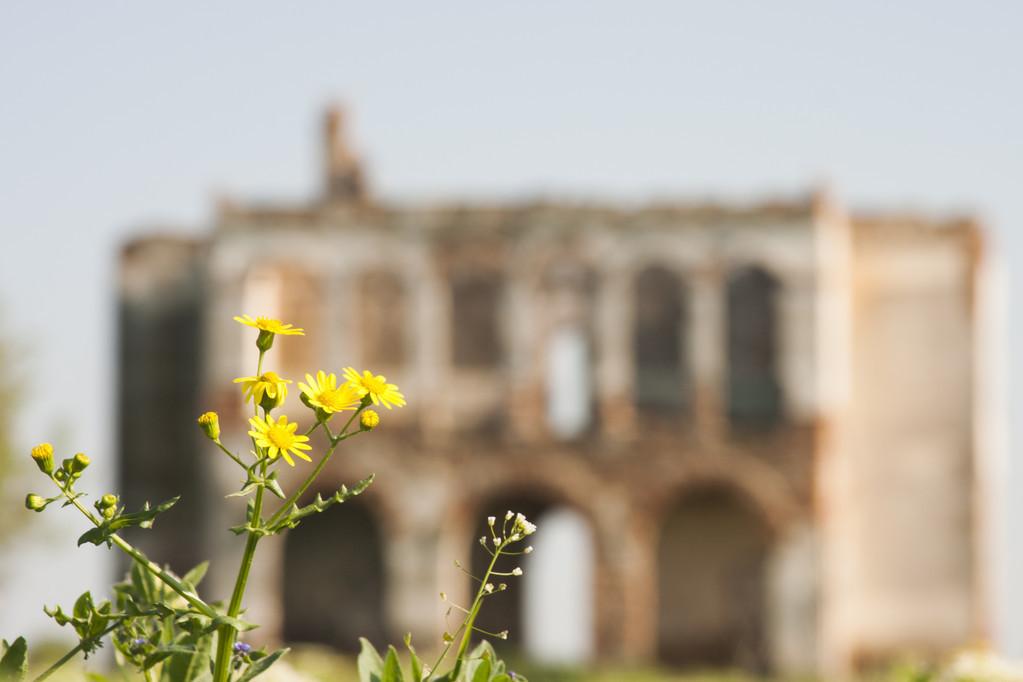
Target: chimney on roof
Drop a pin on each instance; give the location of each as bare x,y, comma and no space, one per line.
343,177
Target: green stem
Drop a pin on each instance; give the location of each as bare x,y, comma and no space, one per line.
74,652
166,577
294,497
230,454
222,667
473,612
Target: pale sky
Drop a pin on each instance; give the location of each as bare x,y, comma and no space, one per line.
119,115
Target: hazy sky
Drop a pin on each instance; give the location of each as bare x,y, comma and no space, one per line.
119,115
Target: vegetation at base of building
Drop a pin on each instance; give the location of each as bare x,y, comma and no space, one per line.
158,623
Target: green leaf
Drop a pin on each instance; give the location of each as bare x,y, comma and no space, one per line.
392,669
478,670
83,606
370,665
14,660
193,665
261,665
273,486
195,576
144,517
296,513
417,666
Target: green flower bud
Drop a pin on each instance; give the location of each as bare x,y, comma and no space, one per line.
265,340
61,474
79,462
35,502
209,422
108,500
43,456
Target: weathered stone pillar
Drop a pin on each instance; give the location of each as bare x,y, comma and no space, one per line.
615,371
707,329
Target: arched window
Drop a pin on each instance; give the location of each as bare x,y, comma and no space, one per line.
659,341
754,394
334,579
476,329
711,582
383,314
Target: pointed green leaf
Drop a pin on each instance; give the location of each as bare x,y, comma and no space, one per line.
416,664
260,666
392,668
370,665
195,576
14,661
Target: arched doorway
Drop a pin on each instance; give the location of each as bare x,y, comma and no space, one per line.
712,581
334,579
549,611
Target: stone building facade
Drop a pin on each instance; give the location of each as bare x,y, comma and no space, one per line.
756,426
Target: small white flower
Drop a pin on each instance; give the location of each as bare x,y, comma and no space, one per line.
488,588
491,520
515,538
503,634
528,550
497,541
508,516
516,571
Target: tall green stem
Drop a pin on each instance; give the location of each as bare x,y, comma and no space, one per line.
222,666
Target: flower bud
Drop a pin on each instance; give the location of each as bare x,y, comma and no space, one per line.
107,505
369,420
265,340
35,502
79,462
209,422
43,456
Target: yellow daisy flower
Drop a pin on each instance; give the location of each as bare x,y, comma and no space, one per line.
322,392
279,438
268,385
269,324
376,387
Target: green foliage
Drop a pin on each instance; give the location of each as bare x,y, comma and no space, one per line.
480,665
13,660
141,519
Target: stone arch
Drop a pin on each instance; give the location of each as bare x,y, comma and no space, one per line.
713,548
659,340
334,578
753,385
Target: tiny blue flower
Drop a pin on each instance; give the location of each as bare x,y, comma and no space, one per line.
242,648
138,642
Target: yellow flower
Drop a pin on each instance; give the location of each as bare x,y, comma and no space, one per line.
369,420
267,385
322,392
376,387
43,456
269,324
279,438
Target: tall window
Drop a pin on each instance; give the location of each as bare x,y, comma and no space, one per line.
754,394
659,340
476,309
383,319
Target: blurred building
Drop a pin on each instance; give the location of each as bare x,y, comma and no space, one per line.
750,434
